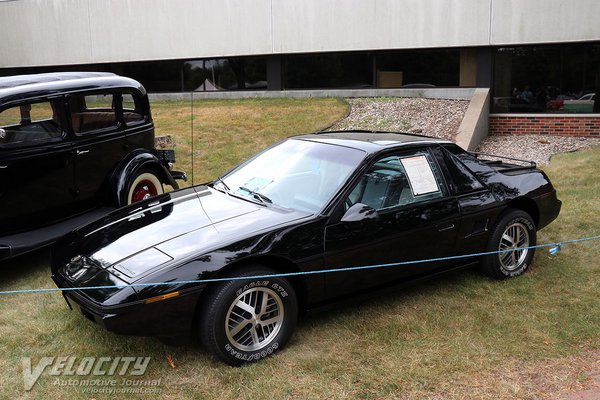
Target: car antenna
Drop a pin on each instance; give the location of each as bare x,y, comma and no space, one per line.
192,132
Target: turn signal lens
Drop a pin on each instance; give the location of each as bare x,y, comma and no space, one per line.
160,298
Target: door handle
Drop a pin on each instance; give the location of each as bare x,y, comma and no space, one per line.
3,166
80,152
445,227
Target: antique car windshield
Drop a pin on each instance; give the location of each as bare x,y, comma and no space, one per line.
296,174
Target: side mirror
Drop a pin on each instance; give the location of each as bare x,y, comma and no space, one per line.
360,212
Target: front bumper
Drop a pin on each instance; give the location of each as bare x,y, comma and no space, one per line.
168,318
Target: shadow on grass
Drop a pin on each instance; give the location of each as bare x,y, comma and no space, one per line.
451,282
25,265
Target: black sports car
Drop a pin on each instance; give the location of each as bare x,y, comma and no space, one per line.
309,203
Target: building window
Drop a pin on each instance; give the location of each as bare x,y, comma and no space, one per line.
156,76
547,79
338,70
237,73
426,68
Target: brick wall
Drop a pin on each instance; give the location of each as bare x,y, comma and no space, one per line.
565,125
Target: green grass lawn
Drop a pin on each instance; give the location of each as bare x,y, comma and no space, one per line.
228,131
461,336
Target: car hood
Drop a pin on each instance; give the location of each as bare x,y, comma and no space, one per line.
133,241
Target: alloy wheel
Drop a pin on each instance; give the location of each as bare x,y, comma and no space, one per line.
513,246
254,319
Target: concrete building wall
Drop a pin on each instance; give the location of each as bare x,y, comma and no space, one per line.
54,32
60,32
35,32
544,21
332,25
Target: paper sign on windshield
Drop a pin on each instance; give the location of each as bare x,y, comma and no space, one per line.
419,175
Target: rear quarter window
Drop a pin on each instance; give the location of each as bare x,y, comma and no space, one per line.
474,165
133,109
462,180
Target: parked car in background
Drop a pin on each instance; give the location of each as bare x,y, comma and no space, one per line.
589,97
73,146
309,203
584,104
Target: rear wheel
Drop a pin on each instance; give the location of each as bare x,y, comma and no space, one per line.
243,321
145,185
511,237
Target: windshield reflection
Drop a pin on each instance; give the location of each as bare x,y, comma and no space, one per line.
296,174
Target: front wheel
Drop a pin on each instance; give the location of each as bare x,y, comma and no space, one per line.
243,321
512,237
145,185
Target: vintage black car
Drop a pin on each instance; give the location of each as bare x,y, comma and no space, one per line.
309,203
73,146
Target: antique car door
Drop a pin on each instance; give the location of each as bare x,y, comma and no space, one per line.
102,141
36,172
415,219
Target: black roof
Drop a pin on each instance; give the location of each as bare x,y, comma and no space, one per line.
38,85
369,141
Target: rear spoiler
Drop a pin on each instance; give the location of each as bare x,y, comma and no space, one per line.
496,161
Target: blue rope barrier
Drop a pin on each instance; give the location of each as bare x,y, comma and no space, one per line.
554,249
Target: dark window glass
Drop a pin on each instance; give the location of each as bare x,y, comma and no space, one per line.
474,165
30,123
156,76
91,113
549,78
328,71
225,74
419,68
462,180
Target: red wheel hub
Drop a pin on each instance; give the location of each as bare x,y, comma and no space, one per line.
143,190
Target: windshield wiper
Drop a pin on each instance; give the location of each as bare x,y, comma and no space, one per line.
219,180
258,196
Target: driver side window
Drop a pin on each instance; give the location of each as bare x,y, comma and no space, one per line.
31,124
395,181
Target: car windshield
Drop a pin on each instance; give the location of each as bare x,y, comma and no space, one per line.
296,174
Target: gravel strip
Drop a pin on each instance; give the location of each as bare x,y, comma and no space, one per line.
538,148
441,118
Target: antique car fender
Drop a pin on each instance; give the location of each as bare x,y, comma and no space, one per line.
122,177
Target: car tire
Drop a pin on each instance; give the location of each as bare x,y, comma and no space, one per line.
229,323
145,185
514,229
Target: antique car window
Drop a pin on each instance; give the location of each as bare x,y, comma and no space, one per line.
91,113
296,174
397,181
133,111
30,123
